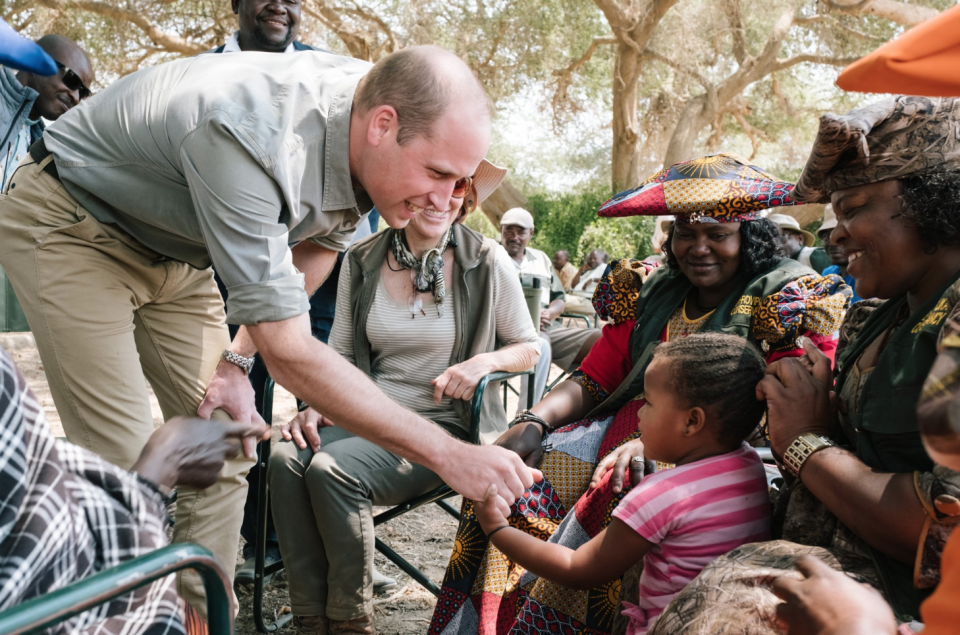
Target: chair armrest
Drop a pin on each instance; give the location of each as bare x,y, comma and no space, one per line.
578,316
41,613
476,404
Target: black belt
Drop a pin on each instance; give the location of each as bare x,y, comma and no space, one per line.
38,151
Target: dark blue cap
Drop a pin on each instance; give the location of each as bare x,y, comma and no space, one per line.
20,53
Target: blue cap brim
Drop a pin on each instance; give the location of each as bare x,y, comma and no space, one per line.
20,53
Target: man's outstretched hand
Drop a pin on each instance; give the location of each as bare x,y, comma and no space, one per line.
191,452
471,469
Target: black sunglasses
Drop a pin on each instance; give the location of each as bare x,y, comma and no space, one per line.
72,81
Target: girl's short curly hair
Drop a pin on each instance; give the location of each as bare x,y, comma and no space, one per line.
761,247
932,203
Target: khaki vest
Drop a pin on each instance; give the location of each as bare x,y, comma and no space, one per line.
472,295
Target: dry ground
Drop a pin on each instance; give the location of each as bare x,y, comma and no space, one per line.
424,537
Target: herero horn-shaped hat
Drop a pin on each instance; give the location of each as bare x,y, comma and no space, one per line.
718,188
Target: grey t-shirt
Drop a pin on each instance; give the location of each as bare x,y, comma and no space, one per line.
225,160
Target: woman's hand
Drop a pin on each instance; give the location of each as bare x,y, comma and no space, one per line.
526,439
460,380
828,602
799,398
625,468
490,510
305,428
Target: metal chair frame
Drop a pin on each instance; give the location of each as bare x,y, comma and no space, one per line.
41,613
438,496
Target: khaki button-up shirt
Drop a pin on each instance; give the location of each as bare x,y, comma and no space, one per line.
225,160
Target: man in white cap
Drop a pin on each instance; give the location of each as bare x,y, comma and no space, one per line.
566,347
799,243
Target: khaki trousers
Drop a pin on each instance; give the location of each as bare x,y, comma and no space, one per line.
108,316
323,508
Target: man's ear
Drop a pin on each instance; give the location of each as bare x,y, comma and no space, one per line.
696,421
383,124
235,5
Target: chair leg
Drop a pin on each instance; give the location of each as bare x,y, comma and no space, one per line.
260,571
407,568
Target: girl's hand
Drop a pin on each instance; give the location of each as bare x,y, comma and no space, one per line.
305,428
625,468
489,513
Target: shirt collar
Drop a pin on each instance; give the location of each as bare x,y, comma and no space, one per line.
338,190
232,45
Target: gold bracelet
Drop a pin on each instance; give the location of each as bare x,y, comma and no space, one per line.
802,448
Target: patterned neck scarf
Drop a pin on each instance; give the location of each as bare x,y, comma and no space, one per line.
427,272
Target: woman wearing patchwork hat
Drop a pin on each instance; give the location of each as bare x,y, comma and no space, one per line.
725,272
864,494
406,299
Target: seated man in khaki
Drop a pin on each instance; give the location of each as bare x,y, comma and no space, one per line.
564,346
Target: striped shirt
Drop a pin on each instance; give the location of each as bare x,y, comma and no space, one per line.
693,514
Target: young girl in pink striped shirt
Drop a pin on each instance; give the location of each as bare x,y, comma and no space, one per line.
701,404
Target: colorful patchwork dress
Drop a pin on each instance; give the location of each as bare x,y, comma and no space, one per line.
485,593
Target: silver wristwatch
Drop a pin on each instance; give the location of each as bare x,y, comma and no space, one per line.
801,449
246,363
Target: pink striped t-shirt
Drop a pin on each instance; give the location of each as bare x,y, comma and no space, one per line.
693,514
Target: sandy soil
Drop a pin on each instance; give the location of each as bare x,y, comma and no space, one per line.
424,537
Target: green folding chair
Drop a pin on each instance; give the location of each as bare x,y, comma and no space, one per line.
438,496
39,614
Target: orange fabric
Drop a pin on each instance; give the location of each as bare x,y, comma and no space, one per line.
941,611
923,61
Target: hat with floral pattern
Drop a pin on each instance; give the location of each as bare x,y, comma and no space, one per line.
718,188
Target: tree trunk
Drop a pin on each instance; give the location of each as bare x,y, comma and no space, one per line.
696,115
626,75
505,197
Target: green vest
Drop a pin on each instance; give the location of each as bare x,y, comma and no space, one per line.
886,434
473,307
664,292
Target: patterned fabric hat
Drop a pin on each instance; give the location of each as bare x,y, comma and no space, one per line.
719,188
890,139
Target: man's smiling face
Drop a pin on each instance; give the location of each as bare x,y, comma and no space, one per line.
267,25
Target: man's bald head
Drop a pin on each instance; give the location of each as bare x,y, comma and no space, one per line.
54,97
422,83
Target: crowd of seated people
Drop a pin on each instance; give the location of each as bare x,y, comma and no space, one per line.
841,362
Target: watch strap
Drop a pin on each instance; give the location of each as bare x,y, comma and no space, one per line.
245,363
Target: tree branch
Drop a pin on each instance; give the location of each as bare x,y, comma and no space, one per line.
565,75
700,79
737,29
813,59
330,18
166,41
893,10
832,21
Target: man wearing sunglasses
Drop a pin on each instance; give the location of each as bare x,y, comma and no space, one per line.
29,98
26,99
262,166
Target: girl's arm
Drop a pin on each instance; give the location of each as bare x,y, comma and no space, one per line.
604,559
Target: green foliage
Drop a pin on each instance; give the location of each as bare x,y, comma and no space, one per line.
619,237
478,222
561,219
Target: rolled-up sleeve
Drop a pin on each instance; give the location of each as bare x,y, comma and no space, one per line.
238,207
